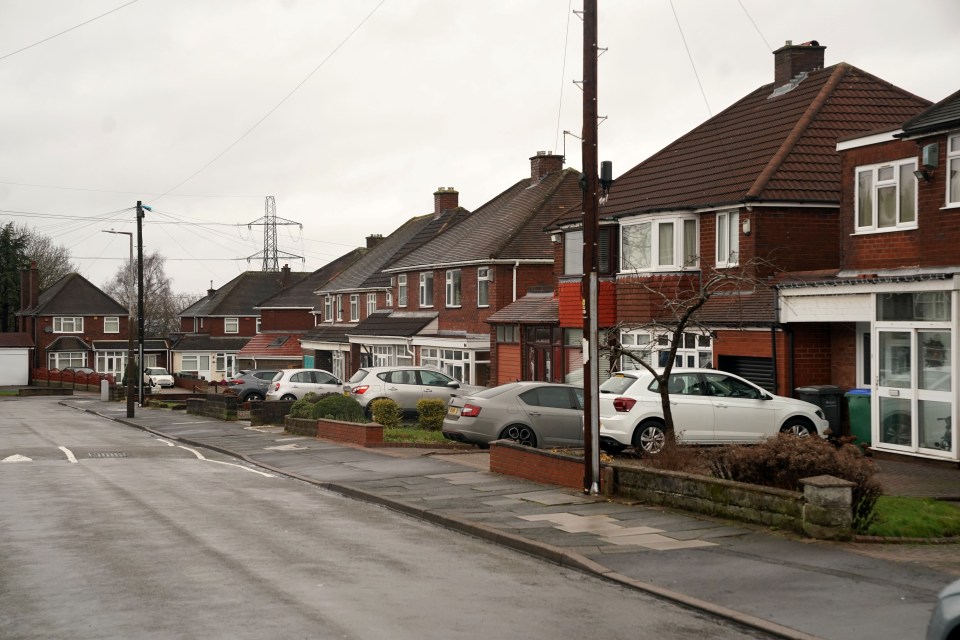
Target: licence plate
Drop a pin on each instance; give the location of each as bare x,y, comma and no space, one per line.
453,411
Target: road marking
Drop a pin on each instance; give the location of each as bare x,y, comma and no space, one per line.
229,464
286,447
72,458
17,458
166,442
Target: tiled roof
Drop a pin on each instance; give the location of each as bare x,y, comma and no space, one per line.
240,296
15,340
149,344
205,342
74,294
329,333
508,227
301,294
747,308
69,343
765,148
273,345
942,115
533,308
385,323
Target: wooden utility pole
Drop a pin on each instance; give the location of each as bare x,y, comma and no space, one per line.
140,208
589,182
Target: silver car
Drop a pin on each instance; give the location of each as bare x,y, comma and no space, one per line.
535,414
293,384
252,386
945,621
404,385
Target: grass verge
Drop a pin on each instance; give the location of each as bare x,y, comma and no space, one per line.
413,435
899,516
8,392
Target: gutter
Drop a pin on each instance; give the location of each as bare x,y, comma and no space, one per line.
468,263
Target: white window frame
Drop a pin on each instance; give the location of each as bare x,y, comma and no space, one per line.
454,288
328,308
234,322
111,324
573,253
680,258
426,288
696,350
354,307
728,239
200,363
484,278
68,324
953,170
114,362
371,304
64,359
388,298
901,170
257,329
402,290
339,308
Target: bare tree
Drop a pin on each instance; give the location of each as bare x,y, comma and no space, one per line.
677,303
53,260
161,304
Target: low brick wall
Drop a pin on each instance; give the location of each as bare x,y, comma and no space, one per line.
364,435
273,412
537,465
220,407
25,392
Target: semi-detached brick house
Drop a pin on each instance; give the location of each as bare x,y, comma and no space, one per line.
887,316
757,188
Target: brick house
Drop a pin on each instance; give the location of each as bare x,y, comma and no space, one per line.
72,324
215,328
755,189
888,315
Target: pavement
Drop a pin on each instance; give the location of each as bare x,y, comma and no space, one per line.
769,581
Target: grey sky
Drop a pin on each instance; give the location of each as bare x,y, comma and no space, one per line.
426,93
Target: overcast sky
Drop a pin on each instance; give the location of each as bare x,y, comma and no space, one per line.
423,94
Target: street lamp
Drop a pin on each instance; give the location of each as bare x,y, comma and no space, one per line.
131,370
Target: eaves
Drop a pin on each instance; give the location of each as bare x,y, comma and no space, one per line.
468,263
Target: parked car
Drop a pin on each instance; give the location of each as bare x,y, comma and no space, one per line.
404,385
945,621
252,385
708,407
293,384
157,377
536,414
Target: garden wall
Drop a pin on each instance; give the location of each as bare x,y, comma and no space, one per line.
364,435
221,407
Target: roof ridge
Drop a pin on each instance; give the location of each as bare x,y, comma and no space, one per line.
803,123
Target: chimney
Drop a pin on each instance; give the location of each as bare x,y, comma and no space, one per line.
29,287
374,239
445,198
211,291
543,163
791,60
285,276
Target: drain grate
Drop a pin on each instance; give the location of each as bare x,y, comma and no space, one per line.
106,454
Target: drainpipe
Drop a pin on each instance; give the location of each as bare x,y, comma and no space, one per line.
516,265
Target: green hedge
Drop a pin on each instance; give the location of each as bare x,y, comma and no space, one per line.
430,414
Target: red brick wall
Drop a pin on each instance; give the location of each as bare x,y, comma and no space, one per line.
538,466
812,354
286,320
92,330
364,435
843,343
570,299
793,239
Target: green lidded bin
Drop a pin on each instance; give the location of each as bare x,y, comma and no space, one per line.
858,404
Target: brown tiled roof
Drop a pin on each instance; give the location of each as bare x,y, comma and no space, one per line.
240,296
15,340
747,308
533,308
301,294
385,323
205,342
275,344
508,227
766,148
149,344
329,333
69,343
73,294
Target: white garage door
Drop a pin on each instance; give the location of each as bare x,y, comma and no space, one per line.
14,367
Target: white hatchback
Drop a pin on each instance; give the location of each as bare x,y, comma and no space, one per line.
708,407
293,384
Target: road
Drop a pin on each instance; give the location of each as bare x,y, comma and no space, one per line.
110,532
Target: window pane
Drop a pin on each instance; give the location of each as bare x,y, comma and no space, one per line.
690,242
895,359
908,194
666,243
573,252
886,207
636,246
934,365
953,169
722,237
865,199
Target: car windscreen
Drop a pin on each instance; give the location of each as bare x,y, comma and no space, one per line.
358,376
618,383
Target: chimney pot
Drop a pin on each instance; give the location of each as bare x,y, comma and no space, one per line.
543,163
445,198
789,61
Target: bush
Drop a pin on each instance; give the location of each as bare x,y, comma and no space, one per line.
386,412
783,461
338,407
430,414
302,408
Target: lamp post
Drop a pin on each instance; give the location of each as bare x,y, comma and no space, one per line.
130,369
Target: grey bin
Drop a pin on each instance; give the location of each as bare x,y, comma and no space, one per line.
827,397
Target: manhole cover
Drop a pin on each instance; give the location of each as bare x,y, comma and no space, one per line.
107,454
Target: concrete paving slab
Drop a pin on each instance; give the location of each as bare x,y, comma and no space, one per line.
550,497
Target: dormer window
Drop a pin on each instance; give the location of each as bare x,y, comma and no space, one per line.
886,198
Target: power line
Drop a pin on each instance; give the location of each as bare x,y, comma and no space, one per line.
57,35
759,33
124,193
563,73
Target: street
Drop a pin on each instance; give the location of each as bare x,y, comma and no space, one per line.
110,532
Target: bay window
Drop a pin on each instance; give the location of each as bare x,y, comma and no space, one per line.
886,196
667,243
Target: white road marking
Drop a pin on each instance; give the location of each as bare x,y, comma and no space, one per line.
72,458
17,458
286,447
166,442
229,464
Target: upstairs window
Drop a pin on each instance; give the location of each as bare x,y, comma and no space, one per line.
573,253
667,243
328,308
339,308
257,329
231,325
953,170
426,288
111,324
371,303
73,324
453,288
402,290
484,278
728,239
354,307
887,196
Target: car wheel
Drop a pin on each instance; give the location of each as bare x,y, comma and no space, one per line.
288,396
650,437
254,397
798,427
521,434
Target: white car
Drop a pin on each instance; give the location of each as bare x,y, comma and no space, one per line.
157,377
708,407
293,384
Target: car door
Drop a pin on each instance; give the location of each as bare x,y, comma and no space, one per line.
741,414
556,414
325,382
261,380
301,383
693,412
401,386
434,384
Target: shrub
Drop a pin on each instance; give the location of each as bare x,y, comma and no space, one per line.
312,397
338,407
783,461
675,456
386,412
302,408
430,414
